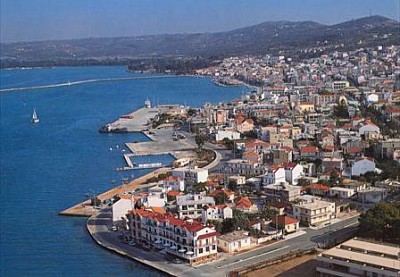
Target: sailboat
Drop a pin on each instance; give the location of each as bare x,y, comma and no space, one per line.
35,118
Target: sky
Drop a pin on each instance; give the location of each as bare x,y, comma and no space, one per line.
31,20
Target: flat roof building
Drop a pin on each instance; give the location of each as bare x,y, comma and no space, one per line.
357,257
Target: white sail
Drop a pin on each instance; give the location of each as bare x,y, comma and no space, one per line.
35,118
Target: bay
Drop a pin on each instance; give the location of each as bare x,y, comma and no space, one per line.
49,166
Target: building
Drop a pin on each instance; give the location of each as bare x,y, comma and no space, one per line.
314,212
188,240
293,172
234,242
191,175
121,207
226,134
174,183
309,152
244,204
356,257
217,212
386,148
316,190
282,192
191,205
290,225
244,167
361,166
275,174
342,193
371,195
340,85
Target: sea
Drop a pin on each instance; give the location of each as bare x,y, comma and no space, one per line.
62,160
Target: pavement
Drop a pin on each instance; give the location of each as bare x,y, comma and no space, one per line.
99,225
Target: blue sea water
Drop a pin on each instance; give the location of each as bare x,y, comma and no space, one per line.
56,163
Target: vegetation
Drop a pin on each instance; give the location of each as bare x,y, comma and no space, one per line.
341,111
382,222
200,140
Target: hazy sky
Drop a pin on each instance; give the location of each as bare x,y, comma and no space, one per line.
27,20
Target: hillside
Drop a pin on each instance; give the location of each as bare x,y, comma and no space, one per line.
267,37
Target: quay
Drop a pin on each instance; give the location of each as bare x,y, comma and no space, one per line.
85,209
137,121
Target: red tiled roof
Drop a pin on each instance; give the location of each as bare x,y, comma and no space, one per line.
308,149
209,235
285,219
316,187
174,193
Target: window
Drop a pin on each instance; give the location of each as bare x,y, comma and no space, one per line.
208,248
200,250
213,247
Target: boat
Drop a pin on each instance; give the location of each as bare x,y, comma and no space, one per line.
35,118
147,104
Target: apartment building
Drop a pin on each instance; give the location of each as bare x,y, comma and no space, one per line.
191,175
218,212
191,205
357,257
314,212
282,192
187,240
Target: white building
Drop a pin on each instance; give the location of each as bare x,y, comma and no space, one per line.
372,195
293,172
191,175
232,135
188,240
275,174
218,212
314,212
356,257
234,242
121,207
361,166
174,183
191,205
368,128
342,193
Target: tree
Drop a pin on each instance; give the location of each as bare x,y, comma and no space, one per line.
382,222
200,140
341,111
220,198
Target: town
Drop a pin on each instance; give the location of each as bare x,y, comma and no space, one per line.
310,151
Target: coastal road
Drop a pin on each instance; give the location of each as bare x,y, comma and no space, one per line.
99,228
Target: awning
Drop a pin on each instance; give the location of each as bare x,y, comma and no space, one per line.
166,245
173,248
189,253
182,250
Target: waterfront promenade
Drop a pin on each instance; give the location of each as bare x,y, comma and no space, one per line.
99,228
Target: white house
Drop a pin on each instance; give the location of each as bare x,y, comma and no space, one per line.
121,208
191,205
361,166
342,193
221,135
275,174
372,195
368,128
191,175
293,172
234,242
174,183
218,212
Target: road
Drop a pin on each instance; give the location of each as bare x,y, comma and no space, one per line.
310,239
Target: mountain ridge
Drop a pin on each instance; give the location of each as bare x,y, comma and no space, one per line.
266,37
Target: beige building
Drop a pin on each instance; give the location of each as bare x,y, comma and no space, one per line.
314,212
356,257
234,242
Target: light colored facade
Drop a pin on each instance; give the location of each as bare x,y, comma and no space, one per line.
314,212
244,167
356,257
234,242
342,193
218,212
188,240
368,128
174,183
121,208
293,172
361,166
191,205
274,175
191,175
222,134
372,195
282,192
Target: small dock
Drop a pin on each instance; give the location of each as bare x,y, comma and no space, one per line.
137,121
